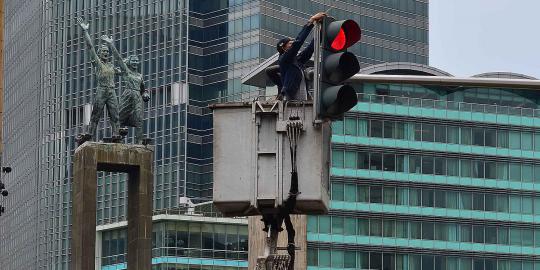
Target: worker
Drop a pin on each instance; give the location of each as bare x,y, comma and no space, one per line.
291,63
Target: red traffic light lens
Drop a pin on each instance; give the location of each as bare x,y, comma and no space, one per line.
343,34
339,41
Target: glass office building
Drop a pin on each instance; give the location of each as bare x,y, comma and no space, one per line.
189,238
434,176
193,53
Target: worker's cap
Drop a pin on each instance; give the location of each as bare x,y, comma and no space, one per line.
282,43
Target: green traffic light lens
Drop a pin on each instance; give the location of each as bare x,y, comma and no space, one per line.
338,99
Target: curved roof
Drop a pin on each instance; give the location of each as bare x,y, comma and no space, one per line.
404,68
504,75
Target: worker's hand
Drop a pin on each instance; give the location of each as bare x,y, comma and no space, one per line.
317,17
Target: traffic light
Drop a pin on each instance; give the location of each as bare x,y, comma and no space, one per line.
337,65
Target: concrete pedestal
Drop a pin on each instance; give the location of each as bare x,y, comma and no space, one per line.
137,162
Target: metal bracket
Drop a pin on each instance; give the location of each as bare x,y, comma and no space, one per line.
271,260
259,108
317,123
282,126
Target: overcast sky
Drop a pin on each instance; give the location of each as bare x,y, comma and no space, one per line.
468,37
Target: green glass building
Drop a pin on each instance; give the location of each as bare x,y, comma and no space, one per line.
434,174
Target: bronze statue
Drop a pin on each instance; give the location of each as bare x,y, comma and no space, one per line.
131,101
105,94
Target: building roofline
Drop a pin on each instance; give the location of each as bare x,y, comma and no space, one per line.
167,217
413,73
391,67
448,81
504,75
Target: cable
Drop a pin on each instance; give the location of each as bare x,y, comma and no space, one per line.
294,128
273,222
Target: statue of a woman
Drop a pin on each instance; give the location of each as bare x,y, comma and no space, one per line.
131,101
105,94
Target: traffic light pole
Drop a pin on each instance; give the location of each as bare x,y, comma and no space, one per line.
317,54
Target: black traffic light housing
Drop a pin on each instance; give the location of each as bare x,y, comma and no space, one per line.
337,65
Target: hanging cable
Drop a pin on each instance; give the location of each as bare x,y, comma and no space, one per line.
273,221
294,129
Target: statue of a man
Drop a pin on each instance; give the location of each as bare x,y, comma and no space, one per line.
105,95
131,101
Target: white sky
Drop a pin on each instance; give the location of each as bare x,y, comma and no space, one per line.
468,37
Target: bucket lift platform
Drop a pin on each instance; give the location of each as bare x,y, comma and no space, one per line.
252,157
257,147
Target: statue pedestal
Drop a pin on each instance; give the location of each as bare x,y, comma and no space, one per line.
135,160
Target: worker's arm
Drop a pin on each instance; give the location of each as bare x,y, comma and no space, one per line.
306,54
291,53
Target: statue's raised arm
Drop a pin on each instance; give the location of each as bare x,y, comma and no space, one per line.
84,25
105,96
109,41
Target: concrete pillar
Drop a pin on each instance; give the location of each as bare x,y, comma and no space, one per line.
137,162
99,249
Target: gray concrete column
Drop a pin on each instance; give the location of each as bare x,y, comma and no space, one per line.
135,160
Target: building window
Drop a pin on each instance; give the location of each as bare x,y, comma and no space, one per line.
474,168
439,133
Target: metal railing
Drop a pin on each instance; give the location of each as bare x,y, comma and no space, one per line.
518,110
184,211
449,105
241,255
187,211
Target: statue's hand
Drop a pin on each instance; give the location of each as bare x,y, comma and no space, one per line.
107,39
146,97
83,25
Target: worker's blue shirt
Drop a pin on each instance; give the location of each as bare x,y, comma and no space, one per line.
291,63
